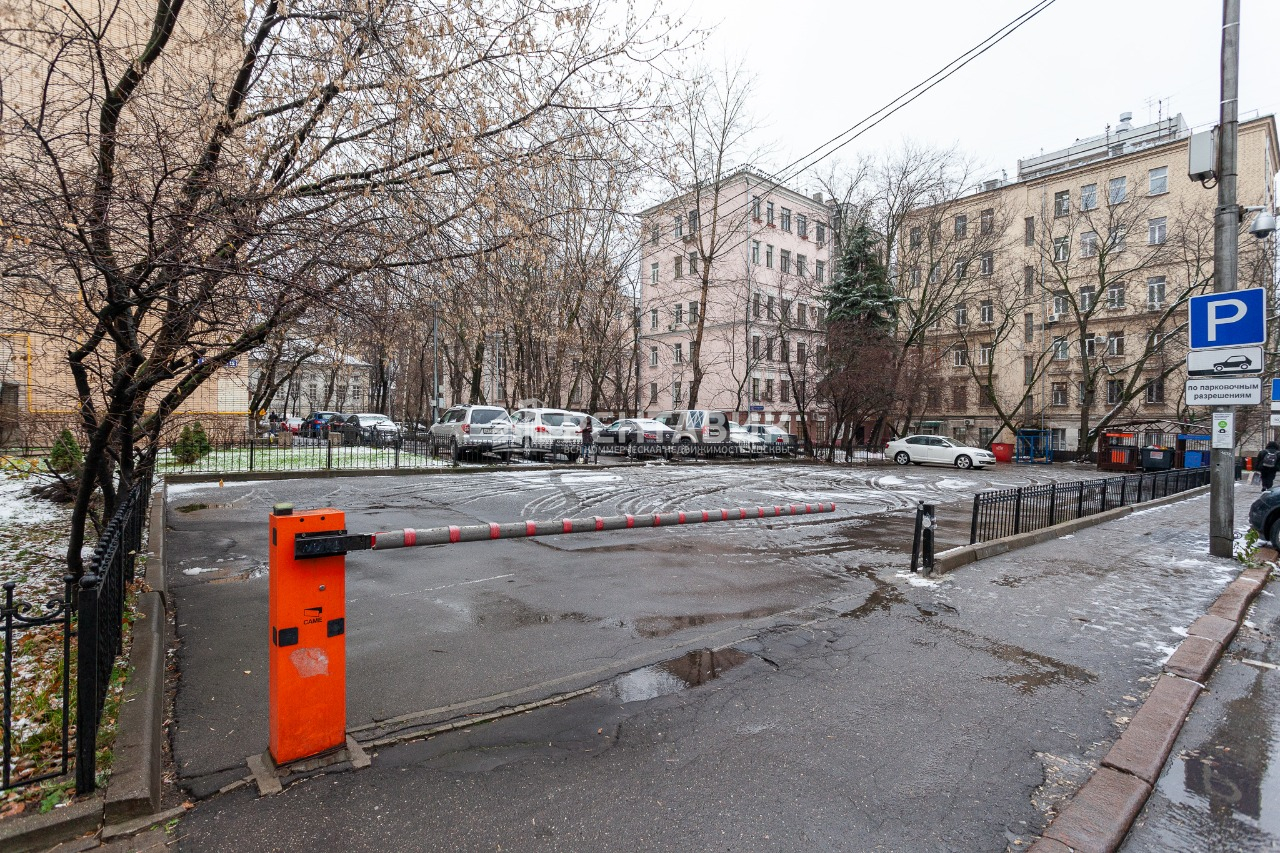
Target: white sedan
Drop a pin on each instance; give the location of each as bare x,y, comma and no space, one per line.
919,449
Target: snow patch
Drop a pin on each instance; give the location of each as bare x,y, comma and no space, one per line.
196,570
18,507
186,488
917,580
574,479
960,485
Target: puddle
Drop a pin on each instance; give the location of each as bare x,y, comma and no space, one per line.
661,626
663,679
193,507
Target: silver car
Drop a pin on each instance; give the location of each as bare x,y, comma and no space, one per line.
473,430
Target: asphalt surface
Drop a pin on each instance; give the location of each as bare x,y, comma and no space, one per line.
858,708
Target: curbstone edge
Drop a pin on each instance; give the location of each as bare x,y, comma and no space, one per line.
1143,747
1194,659
134,787
1101,812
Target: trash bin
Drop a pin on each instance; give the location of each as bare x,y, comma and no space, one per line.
335,438
1157,458
1003,452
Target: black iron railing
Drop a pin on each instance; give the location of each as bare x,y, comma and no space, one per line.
1007,512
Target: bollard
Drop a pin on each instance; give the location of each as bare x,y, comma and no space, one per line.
307,659
929,524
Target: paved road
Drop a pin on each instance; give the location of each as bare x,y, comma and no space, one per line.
858,708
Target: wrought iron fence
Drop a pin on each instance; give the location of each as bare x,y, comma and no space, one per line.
1007,512
298,453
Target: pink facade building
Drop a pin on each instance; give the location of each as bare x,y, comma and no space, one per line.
742,265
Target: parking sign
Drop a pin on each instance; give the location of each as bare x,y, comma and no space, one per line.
1230,318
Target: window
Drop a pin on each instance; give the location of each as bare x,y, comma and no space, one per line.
784,350
679,267
1090,347
1115,391
1115,238
962,226
802,353
653,235
676,396
986,435
960,355
1155,391
1058,394
768,213
935,233
1028,282
786,391
653,392
653,356
786,219
986,397
693,263
1155,292
1156,230
1061,248
755,390
755,347
653,273
1088,244
822,317
802,315
913,276
987,263
986,311
693,313
1061,304
784,261
693,222
768,256
1087,294
822,235
820,357
935,271
1061,349
679,309
987,221
960,397
1082,392
1028,327
679,354
1088,196
985,353
755,252
1158,181
1028,369
768,349
933,398
962,267
653,319
772,305
1029,231
755,306
1116,190
915,237
1115,343
755,208
962,314
802,226
802,266
679,229
820,271
786,311
1115,294
768,390
1062,203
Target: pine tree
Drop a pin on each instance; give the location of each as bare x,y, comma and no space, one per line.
184,448
860,290
65,456
200,440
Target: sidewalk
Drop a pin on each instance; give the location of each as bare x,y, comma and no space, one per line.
898,714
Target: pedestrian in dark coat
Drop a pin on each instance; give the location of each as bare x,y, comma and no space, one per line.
587,439
1266,464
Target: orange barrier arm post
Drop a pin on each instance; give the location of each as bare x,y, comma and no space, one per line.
308,652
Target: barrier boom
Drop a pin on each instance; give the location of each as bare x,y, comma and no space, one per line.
327,544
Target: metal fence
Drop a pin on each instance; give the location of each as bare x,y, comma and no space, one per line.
305,454
1007,512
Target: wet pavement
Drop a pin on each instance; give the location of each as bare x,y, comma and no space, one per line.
757,686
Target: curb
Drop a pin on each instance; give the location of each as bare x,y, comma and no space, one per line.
954,558
1098,817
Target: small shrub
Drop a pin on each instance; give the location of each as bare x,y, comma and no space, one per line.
184,449
66,457
200,440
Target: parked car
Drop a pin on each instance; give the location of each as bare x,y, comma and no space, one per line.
1264,516
370,428
746,441
315,424
294,425
634,432
775,437
697,426
935,449
545,431
473,430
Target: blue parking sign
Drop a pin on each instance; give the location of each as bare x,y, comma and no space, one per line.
1275,389
1228,319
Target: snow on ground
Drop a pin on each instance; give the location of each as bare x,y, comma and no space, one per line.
18,507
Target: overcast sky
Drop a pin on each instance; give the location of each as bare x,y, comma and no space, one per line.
822,66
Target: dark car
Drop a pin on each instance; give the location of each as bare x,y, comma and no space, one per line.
1264,516
315,424
1234,362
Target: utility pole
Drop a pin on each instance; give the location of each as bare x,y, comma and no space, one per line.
1226,222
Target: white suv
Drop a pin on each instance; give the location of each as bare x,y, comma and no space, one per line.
475,430
544,431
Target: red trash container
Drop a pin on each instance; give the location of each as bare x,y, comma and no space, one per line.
1003,452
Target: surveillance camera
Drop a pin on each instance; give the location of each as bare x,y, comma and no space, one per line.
1264,225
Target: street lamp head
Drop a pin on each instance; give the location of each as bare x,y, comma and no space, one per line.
1264,225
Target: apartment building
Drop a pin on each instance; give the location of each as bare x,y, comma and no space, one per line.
1057,300
732,278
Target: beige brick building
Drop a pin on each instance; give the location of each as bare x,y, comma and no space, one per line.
1057,301
763,252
